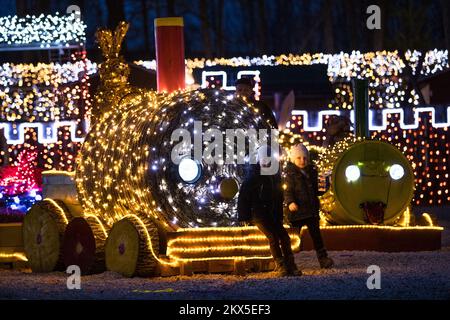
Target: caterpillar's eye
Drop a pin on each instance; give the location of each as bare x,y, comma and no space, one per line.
396,172
352,173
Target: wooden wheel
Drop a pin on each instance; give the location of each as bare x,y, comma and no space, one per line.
129,251
84,245
43,232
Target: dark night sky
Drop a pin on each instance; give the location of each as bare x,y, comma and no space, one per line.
242,27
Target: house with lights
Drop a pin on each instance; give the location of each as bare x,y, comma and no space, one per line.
44,101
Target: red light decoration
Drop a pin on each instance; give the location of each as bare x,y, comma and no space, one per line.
21,177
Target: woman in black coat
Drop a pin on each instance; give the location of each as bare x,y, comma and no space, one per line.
301,198
261,203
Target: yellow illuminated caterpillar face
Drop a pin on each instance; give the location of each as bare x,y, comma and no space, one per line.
373,182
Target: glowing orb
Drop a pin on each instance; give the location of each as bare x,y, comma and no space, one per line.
189,170
396,172
352,173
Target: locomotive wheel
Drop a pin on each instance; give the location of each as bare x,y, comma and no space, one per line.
43,232
84,245
128,250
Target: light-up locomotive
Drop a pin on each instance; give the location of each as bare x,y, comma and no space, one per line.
134,210
131,209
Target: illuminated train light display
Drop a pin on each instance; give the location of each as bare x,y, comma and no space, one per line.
142,214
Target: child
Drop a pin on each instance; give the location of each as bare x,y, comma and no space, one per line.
261,202
301,198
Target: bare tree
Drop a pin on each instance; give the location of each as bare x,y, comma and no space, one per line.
219,27
262,26
328,26
116,12
204,18
145,22
171,8
378,35
446,22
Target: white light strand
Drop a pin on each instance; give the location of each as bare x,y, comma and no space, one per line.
47,131
319,125
45,30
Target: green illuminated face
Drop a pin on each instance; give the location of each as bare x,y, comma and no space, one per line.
369,173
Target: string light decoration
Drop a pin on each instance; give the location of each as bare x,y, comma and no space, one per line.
204,244
391,228
113,73
16,256
125,161
384,69
45,30
38,101
387,92
24,178
19,186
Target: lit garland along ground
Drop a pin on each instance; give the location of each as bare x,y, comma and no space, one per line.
125,166
16,255
204,244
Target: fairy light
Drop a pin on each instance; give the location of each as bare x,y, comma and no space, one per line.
60,210
24,179
88,216
390,228
219,80
149,241
427,218
384,69
38,101
15,255
222,243
387,91
47,132
43,29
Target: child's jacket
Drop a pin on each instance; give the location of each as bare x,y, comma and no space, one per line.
301,188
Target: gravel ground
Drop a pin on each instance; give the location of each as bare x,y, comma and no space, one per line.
419,275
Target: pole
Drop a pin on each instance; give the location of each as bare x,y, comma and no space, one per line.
361,107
